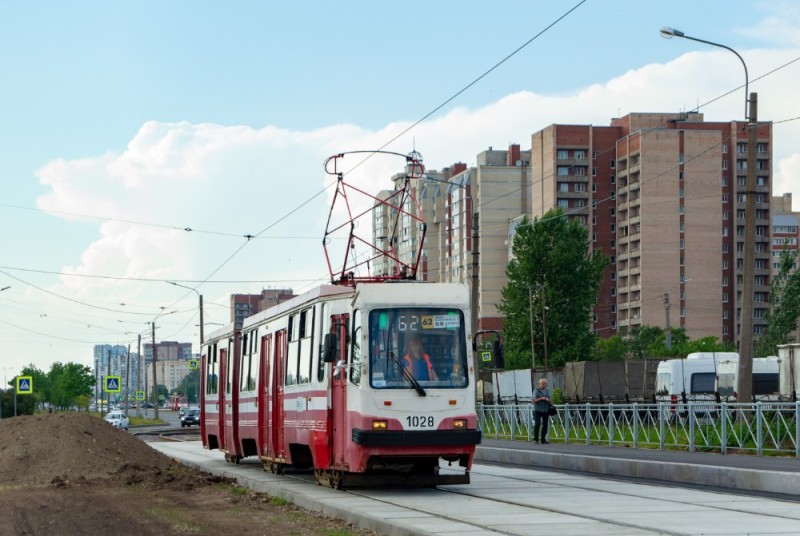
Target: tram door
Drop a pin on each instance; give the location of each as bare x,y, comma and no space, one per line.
264,416
231,405
339,431
276,449
223,397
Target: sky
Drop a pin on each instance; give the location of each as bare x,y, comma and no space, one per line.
124,123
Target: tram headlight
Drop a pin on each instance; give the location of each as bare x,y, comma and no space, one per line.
380,425
460,424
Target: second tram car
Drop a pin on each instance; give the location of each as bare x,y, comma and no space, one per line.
366,384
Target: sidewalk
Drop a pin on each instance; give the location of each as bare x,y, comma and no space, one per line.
733,471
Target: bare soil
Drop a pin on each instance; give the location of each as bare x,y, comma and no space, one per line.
72,474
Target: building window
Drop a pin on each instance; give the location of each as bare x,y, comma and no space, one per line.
580,187
563,187
580,155
613,179
613,276
613,228
724,164
594,237
563,171
724,297
613,244
563,203
594,172
724,198
562,155
724,180
613,291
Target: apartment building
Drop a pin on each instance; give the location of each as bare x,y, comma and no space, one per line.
466,213
785,225
573,168
244,305
663,197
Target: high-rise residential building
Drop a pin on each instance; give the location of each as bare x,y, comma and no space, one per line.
573,167
785,225
785,236
169,351
663,197
460,204
113,360
244,305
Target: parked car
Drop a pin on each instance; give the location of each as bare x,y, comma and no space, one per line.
190,416
117,419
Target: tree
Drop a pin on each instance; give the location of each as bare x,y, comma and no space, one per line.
67,383
556,272
784,306
190,386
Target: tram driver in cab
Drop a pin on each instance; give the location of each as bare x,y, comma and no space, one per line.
417,362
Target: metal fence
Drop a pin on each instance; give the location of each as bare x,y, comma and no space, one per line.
760,428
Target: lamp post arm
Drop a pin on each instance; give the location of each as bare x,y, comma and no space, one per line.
720,45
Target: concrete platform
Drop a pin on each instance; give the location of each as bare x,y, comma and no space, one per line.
763,474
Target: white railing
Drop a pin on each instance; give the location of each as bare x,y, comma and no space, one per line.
760,428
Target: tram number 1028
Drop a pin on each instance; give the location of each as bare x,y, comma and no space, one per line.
419,421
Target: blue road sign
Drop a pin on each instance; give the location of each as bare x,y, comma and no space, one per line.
112,384
24,385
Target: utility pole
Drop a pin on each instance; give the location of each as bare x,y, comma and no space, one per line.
533,346
544,325
127,380
748,264
108,373
155,374
666,317
140,376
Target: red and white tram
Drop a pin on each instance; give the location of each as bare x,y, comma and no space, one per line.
327,380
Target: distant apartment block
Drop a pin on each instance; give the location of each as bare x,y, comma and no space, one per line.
244,305
169,351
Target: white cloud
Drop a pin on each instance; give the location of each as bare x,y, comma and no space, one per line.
240,180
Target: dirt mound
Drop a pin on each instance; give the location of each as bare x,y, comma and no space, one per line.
73,448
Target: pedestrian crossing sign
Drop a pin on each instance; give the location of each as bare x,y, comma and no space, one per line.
139,395
486,356
24,385
193,364
112,384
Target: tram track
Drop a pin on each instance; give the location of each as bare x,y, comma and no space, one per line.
308,479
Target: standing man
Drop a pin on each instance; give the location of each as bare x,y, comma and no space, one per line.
541,403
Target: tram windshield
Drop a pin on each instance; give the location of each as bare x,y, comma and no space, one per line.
417,347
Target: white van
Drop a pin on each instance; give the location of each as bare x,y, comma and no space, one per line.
766,379
693,378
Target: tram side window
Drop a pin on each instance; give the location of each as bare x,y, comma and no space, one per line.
249,368
321,337
212,377
292,353
306,331
228,369
243,355
355,350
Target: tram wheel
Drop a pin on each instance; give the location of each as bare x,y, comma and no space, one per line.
336,479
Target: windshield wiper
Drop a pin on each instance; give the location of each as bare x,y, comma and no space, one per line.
407,375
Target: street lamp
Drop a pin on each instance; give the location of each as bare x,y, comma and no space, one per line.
748,269
200,297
